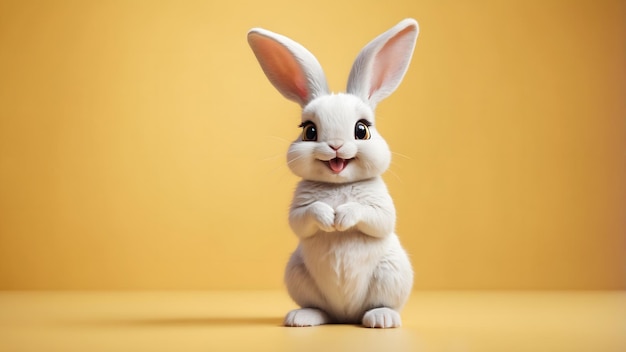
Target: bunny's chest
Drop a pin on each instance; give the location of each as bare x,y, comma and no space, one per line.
336,195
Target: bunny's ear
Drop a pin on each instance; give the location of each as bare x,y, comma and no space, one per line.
381,65
292,69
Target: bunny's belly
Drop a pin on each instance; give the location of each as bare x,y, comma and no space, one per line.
342,265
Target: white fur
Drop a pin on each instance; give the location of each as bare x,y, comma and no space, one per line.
382,318
335,115
352,263
306,317
349,266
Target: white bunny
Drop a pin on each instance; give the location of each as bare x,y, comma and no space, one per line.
349,266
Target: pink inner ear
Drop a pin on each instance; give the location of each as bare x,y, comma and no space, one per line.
281,68
300,87
390,61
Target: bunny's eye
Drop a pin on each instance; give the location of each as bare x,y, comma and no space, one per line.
309,131
362,130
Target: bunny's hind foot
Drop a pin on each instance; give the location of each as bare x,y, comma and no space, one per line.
306,317
381,318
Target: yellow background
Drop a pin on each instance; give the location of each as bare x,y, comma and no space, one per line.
141,146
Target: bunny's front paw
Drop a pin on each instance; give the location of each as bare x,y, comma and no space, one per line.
347,215
324,215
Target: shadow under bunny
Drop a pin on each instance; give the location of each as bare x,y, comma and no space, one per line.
170,322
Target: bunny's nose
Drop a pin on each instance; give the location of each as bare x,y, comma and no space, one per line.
335,144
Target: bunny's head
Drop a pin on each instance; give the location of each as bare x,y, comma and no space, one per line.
339,142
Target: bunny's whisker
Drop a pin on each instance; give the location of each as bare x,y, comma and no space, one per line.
391,172
296,159
273,157
278,138
402,155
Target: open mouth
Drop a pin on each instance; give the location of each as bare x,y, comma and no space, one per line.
336,165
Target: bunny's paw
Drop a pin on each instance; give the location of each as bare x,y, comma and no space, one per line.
306,317
347,215
382,318
324,215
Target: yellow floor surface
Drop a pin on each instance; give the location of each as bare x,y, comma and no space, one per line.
251,321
